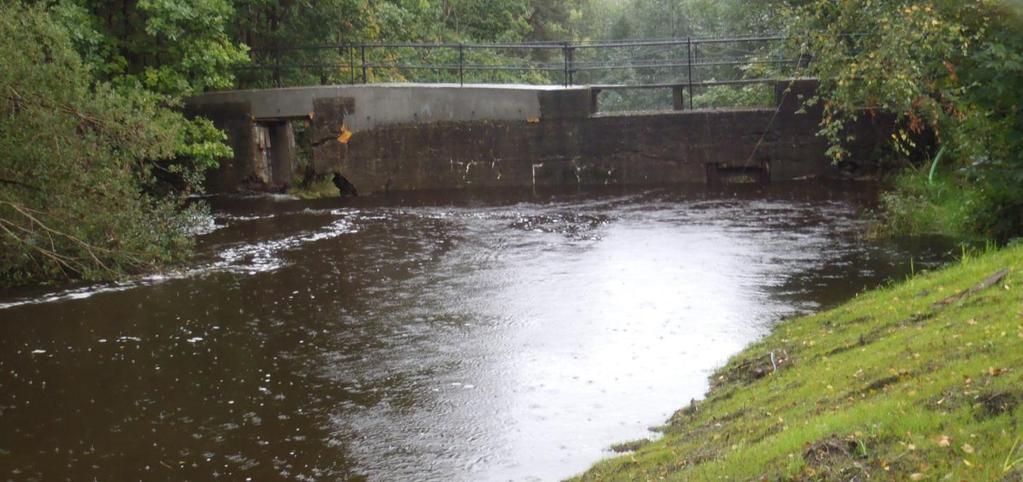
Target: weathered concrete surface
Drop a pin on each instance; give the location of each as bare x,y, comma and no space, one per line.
668,148
265,155
282,162
264,152
446,137
329,152
388,104
568,147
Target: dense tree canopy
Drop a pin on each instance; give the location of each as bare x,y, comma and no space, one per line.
171,47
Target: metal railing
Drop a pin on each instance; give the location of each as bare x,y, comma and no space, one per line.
650,63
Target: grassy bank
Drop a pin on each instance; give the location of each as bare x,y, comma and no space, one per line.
919,381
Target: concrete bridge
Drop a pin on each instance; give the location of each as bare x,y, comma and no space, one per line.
437,136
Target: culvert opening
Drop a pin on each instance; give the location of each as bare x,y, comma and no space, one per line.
344,186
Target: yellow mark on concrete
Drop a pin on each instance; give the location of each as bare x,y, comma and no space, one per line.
345,134
533,120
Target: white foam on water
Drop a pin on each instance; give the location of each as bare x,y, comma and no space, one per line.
252,258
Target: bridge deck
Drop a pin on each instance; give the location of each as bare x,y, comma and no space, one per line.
394,103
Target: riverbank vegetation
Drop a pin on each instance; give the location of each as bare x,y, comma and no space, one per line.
922,380
89,159
951,73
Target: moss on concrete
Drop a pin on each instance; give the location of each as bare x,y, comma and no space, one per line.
319,189
922,380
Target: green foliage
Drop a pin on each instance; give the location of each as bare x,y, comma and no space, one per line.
162,50
77,157
917,381
757,95
952,206
885,56
690,18
949,70
199,148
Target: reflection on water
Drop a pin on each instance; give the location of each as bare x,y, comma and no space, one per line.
505,336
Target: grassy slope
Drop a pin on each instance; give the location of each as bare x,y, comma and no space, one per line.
888,385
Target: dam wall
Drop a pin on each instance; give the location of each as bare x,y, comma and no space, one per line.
419,137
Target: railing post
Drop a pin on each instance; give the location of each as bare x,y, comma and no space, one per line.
689,61
565,54
365,76
461,64
351,63
571,65
278,81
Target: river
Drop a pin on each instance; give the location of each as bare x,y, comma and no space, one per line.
497,336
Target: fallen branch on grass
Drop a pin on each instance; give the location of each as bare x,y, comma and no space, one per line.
962,295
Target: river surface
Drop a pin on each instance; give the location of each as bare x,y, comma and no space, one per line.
506,336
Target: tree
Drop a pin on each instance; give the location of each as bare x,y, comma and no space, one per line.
271,27
77,162
948,70
170,47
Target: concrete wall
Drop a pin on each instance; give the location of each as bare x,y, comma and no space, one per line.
666,148
447,137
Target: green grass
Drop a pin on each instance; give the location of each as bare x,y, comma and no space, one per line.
889,386
914,206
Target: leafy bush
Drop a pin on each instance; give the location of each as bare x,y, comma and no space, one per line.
77,162
757,95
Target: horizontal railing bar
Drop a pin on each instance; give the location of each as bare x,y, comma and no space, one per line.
553,45
347,67
577,66
550,45
673,42
467,67
682,85
537,61
677,64
592,65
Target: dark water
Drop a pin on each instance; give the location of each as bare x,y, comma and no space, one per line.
511,336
